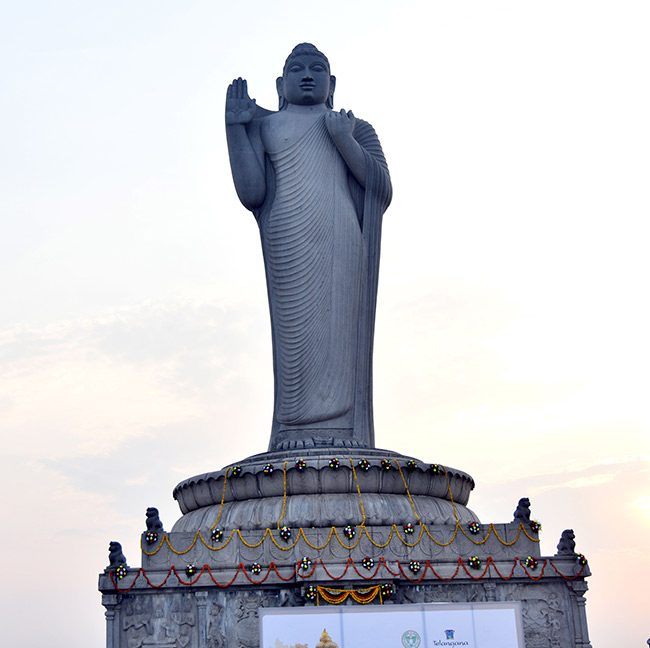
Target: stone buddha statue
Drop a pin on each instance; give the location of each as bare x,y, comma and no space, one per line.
317,183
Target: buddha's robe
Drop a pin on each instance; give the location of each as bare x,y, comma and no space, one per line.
320,237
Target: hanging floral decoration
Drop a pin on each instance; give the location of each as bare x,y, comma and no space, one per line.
581,559
311,593
386,590
474,562
535,526
367,563
363,596
414,566
334,463
531,562
385,464
256,569
363,464
190,570
411,465
301,464
409,528
268,469
305,563
216,535
285,533
236,471
349,532
474,528
151,537
121,571
436,469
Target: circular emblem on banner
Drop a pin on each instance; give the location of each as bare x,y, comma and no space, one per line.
410,639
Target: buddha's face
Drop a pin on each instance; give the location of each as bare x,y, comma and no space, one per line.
306,80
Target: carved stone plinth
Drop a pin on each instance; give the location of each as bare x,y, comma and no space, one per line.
260,537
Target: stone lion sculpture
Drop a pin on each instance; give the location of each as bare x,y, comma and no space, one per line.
567,544
153,520
522,512
115,555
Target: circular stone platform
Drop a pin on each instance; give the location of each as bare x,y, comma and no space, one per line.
321,496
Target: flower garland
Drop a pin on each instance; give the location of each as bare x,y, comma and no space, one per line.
414,566
256,569
333,532
474,528
305,563
349,532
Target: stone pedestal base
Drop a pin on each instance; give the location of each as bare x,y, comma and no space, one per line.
324,530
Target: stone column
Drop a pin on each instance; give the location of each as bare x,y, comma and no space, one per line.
202,617
112,614
579,587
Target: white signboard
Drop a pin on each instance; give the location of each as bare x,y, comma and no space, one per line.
474,625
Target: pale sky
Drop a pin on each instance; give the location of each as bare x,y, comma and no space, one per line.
512,325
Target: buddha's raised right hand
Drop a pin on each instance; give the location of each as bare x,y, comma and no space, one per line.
240,108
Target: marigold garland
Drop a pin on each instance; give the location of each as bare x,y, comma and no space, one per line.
256,569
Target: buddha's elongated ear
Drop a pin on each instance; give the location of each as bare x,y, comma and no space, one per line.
330,100
279,84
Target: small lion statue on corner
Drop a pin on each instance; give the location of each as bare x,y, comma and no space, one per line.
522,512
567,544
115,556
153,520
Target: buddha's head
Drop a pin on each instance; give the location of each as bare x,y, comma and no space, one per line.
306,78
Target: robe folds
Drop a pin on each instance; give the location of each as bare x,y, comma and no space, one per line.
320,233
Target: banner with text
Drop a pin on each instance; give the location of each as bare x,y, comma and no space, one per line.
467,625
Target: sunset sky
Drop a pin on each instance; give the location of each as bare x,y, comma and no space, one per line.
513,319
